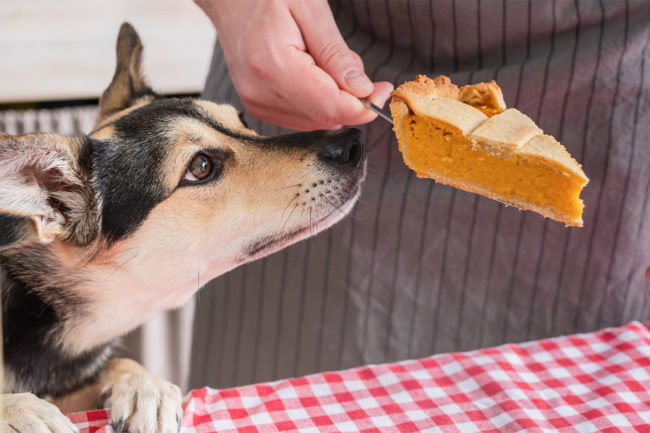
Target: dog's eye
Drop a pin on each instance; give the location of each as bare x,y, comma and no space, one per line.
201,169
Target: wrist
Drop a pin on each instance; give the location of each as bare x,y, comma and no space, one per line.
215,9
233,12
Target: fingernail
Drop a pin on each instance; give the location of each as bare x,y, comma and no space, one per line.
357,81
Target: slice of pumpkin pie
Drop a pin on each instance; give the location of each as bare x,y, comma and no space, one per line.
467,138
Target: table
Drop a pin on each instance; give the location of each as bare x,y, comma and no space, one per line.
595,382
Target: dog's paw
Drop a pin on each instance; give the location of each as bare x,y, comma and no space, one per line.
142,403
26,413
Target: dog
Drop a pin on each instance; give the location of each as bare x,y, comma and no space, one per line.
100,232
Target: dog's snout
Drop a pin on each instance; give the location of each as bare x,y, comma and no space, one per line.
343,148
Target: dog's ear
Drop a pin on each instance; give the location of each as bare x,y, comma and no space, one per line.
48,179
129,86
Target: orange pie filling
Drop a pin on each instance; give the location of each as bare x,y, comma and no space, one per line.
434,150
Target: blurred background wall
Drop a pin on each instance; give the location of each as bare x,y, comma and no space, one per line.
58,56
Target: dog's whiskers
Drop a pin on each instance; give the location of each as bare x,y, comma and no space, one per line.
286,187
285,210
333,205
289,204
289,216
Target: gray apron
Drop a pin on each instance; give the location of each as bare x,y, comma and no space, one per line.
422,268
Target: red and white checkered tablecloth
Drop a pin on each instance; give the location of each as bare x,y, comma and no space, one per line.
596,382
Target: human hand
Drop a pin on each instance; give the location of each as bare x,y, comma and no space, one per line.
290,64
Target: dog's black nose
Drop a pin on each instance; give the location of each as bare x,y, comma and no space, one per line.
343,148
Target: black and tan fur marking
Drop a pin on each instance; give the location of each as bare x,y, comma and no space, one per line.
100,232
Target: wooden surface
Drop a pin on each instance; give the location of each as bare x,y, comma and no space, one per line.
65,49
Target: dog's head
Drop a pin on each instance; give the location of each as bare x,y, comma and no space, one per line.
165,188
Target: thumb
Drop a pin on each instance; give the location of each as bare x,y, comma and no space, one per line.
328,49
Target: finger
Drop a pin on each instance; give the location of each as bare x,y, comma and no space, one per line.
293,117
342,109
271,105
309,115
318,112
313,92
326,45
381,93
277,110
351,113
